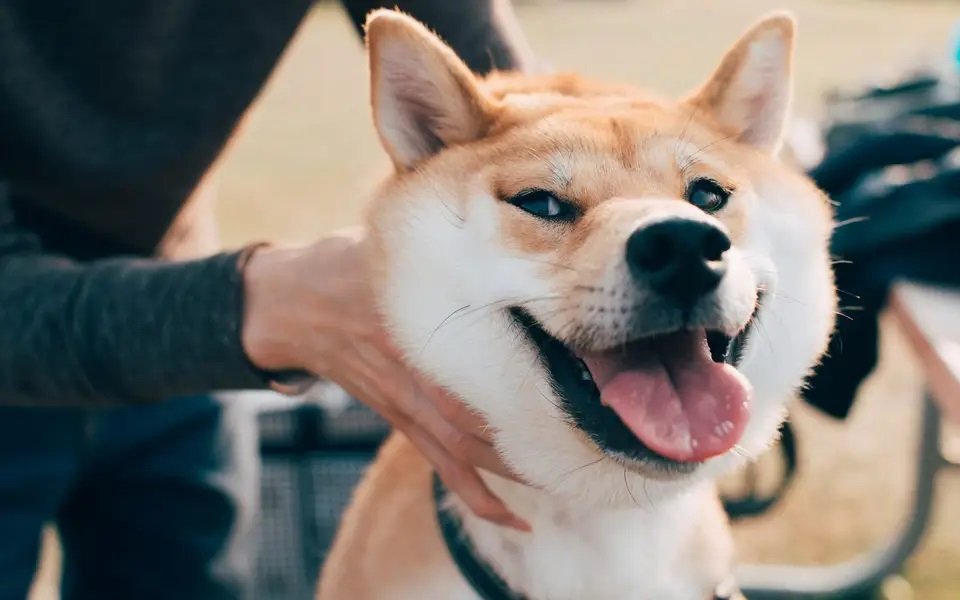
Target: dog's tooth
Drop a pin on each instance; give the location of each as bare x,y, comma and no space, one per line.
584,371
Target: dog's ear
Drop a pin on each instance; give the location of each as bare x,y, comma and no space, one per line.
749,93
424,97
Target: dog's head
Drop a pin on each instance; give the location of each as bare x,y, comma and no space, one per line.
628,289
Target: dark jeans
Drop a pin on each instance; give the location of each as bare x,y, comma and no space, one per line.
150,502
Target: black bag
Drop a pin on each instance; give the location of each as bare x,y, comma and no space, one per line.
892,167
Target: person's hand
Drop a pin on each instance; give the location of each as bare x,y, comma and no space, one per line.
312,308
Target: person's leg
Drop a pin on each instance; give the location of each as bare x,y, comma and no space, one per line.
166,509
39,454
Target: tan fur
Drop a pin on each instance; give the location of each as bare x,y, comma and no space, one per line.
597,146
395,496
619,155
604,130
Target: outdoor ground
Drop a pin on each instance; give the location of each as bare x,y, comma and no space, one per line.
306,157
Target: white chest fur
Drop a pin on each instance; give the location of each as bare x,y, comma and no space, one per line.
677,551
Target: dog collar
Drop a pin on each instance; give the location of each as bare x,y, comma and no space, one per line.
484,581
481,577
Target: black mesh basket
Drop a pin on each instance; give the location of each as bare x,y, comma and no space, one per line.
312,459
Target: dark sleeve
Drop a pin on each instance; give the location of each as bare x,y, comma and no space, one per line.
484,33
116,331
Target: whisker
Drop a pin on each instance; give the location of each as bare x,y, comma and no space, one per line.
693,157
468,309
626,485
681,139
850,221
763,332
777,294
547,262
459,220
567,474
553,403
851,294
510,301
441,324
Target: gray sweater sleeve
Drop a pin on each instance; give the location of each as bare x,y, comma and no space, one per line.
116,331
130,330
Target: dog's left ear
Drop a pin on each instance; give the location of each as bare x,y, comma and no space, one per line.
749,93
424,97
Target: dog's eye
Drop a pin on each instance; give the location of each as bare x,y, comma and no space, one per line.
707,195
543,204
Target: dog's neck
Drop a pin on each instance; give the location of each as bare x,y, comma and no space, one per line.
625,553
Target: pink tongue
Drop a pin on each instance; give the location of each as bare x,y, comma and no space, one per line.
673,396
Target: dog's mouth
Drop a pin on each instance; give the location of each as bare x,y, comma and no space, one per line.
670,400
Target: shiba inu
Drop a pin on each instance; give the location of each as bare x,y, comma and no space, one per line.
627,289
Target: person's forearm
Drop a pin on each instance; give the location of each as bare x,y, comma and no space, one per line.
484,33
119,331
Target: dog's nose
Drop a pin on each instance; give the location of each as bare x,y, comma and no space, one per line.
681,259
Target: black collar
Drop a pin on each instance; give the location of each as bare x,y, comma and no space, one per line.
484,581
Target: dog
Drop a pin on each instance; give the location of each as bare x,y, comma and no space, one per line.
628,289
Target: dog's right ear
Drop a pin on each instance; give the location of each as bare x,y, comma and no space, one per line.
424,97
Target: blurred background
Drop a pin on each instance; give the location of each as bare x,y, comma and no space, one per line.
306,157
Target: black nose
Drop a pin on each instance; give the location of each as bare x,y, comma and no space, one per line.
679,258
